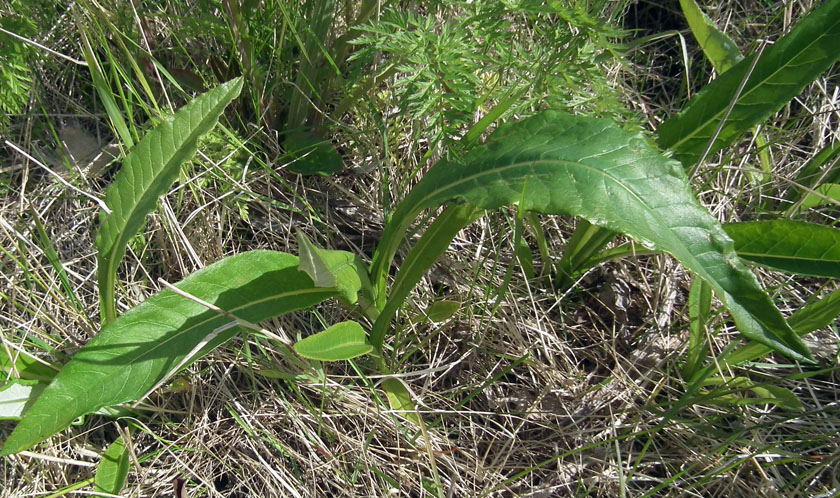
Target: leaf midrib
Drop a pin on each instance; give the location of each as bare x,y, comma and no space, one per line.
568,163
759,85
283,295
103,380
758,255
346,345
120,224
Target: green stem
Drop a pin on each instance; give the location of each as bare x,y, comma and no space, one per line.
587,240
423,255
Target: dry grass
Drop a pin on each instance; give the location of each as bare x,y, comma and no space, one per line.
521,395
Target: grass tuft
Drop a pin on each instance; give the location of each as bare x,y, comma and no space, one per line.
525,390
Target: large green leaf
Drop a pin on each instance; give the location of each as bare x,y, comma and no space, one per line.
785,67
789,246
163,334
781,72
147,173
555,163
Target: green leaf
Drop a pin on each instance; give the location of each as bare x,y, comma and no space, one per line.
400,399
782,71
766,393
342,341
147,344
113,469
827,193
440,311
24,366
789,246
17,396
814,316
315,264
341,270
719,48
562,164
147,173
310,155
815,172
778,396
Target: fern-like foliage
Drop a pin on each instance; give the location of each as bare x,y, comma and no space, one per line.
15,74
448,72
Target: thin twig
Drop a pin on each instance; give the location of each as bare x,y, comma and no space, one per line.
238,321
727,113
36,44
58,177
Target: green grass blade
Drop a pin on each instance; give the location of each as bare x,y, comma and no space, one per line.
699,308
782,71
52,256
813,174
342,341
112,469
510,98
104,92
521,248
542,243
147,173
719,48
789,246
145,345
562,164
